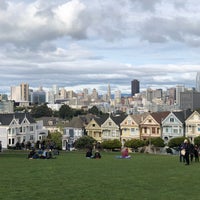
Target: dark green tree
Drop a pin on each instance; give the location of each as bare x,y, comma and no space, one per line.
135,143
176,142
111,144
197,140
41,111
95,111
84,142
65,112
157,142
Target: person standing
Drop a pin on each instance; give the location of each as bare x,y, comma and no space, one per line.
186,147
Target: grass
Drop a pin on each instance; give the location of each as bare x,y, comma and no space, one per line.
72,176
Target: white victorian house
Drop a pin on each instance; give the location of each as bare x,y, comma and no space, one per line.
174,125
20,127
72,131
193,126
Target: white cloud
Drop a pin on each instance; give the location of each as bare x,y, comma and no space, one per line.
80,42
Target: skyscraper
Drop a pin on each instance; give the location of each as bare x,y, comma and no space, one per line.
135,87
24,91
198,82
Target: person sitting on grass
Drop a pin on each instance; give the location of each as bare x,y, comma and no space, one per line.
97,155
89,153
124,153
33,154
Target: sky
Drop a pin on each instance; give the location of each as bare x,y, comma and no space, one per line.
79,44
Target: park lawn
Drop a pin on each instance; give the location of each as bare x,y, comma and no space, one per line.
74,177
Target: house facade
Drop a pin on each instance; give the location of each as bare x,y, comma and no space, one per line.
20,127
93,129
173,126
151,126
111,128
130,127
71,132
192,124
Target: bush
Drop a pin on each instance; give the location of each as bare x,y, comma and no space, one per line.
111,144
176,142
84,142
135,143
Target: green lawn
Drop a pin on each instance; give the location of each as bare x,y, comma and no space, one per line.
73,177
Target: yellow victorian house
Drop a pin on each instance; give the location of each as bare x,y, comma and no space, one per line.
93,128
192,124
130,127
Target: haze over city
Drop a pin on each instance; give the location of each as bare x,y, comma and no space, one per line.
80,44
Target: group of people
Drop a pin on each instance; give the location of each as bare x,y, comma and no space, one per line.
189,152
96,155
42,154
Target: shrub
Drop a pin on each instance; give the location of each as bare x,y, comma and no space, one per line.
111,144
84,142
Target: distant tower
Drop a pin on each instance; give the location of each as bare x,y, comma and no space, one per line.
179,89
24,87
135,87
198,82
109,93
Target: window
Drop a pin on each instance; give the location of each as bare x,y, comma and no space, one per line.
110,123
153,130
171,119
31,128
31,137
93,125
149,120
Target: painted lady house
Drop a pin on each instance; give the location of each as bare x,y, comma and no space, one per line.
20,127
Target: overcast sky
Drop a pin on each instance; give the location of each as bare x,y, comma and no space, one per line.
80,44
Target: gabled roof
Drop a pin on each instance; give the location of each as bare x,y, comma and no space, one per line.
6,119
118,119
182,115
76,122
100,120
159,116
139,117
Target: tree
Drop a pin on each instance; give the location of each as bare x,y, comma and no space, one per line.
56,137
135,143
65,112
95,111
197,141
84,142
176,142
41,111
157,142
111,144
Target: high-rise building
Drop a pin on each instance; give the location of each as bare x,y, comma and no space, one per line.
198,82
109,93
179,89
135,87
20,93
189,100
24,87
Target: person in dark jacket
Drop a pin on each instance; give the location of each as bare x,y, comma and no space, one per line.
186,147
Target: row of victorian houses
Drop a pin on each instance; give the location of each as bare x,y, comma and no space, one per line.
21,127
166,125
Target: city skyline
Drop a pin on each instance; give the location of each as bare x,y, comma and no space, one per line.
79,44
